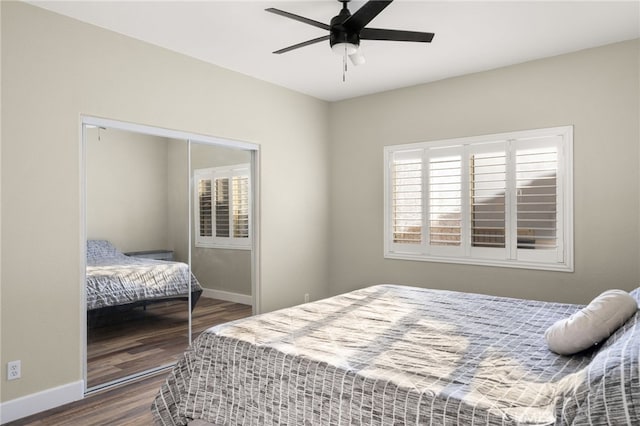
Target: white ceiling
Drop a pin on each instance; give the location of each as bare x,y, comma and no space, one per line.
470,36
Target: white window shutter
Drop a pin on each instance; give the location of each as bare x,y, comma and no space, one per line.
446,201
489,204
205,223
539,199
501,200
222,207
406,186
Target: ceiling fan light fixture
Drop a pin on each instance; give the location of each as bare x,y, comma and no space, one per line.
357,58
342,48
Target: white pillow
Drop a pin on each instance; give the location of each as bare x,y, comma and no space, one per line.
592,324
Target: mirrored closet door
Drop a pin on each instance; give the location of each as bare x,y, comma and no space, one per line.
169,240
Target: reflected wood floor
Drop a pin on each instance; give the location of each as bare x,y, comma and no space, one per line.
139,339
130,404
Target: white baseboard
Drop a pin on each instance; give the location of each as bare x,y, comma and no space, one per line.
40,401
227,296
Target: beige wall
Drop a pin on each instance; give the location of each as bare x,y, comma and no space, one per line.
127,196
178,195
595,90
53,70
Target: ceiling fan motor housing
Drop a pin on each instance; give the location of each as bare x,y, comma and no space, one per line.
338,33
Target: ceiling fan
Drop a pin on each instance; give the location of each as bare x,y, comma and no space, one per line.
346,30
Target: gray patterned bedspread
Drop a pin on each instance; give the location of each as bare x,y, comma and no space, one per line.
114,279
394,355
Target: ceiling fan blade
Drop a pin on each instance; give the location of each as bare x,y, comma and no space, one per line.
298,18
395,35
365,14
303,44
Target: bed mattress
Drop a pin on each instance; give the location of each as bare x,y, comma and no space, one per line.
394,355
114,279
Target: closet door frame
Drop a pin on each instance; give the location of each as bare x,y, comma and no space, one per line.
188,137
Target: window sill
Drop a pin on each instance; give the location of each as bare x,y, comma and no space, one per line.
559,267
223,246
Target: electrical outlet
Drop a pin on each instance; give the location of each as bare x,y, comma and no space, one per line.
306,297
13,370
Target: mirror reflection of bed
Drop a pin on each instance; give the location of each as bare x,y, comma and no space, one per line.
144,278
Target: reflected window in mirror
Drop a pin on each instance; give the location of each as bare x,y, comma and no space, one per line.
222,206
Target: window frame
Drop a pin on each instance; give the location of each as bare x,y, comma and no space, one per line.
562,258
221,172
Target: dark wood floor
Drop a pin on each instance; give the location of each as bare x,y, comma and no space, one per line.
129,404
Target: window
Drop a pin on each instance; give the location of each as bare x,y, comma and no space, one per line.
502,200
222,207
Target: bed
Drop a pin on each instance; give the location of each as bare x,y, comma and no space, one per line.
396,355
117,282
